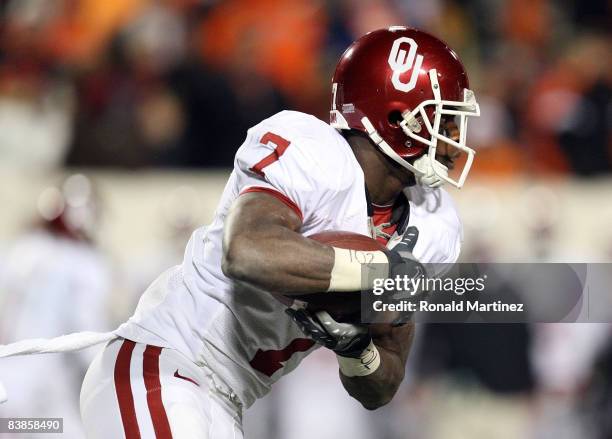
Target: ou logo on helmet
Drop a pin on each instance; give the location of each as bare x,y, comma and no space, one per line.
401,61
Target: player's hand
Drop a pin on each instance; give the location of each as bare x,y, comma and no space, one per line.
401,260
402,263
345,339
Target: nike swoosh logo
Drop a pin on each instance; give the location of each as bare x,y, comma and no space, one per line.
177,375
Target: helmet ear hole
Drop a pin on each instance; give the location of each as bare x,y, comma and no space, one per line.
394,118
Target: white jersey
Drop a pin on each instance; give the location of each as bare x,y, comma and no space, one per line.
242,333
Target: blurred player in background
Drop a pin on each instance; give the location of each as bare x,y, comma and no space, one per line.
42,295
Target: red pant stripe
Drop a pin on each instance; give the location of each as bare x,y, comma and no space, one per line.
123,389
150,367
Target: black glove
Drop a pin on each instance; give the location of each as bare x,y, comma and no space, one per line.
345,339
403,263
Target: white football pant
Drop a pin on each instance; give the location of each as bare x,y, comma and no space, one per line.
138,391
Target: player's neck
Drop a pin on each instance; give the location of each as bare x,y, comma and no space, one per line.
383,189
382,179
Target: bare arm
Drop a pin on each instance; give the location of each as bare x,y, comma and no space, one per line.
378,388
262,246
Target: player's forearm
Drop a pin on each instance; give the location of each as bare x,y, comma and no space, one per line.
262,246
378,388
278,259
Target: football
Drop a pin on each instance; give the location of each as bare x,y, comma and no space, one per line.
342,306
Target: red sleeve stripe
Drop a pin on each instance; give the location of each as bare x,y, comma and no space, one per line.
123,389
150,367
286,200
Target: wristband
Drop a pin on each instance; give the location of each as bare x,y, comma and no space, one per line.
367,362
348,265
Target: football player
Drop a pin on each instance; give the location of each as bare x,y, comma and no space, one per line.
37,282
210,336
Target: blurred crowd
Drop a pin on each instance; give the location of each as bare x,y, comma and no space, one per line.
139,83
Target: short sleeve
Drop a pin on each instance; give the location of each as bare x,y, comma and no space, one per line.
293,167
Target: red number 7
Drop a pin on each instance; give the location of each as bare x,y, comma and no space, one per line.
281,147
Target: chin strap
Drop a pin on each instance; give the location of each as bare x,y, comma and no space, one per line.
384,146
422,168
430,177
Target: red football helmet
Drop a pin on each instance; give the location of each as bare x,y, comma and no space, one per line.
397,85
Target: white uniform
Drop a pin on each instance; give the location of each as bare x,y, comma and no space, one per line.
41,295
239,336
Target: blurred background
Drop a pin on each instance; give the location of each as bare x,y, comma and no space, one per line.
119,120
